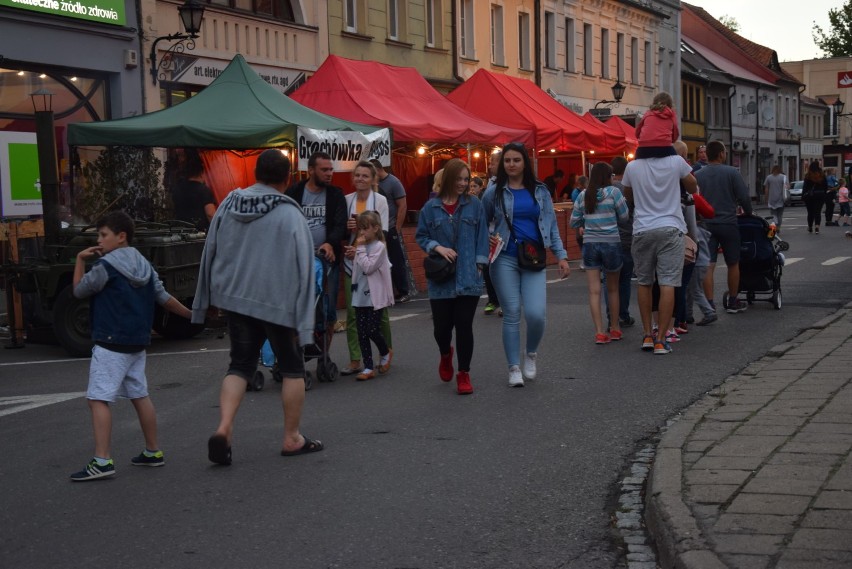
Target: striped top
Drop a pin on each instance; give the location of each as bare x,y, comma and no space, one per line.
602,225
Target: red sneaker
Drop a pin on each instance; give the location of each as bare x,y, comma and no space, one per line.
463,385
615,335
445,369
602,339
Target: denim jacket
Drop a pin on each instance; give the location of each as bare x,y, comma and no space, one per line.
546,219
468,229
122,313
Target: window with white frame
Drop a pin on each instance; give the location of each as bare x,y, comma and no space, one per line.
570,46
498,56
393,19
634,61
524,41
549,40
351,16
467,40
430,23
587,49
619,57
605,53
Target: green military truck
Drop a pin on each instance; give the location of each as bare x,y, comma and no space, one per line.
45,280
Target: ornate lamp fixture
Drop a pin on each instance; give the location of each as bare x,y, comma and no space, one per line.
617,93
191,16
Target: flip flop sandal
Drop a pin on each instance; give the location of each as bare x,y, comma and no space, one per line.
309,447
218,450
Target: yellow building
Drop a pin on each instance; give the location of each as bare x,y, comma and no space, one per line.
284,41
413,33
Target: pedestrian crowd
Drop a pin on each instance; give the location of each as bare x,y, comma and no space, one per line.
655,220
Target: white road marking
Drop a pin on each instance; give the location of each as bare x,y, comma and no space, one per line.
27,402
790,260
401,317
66,360
835,260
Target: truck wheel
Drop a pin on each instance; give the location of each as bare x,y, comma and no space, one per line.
174,327
71,323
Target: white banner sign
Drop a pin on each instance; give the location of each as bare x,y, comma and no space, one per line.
345,148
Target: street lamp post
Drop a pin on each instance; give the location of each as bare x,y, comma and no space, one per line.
191,16
617,93
48,167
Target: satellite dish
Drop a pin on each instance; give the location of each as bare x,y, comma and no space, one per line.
751,107
768,114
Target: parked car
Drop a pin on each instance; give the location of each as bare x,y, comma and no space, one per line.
794,194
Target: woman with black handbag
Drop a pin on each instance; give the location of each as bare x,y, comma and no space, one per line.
521,211
452,231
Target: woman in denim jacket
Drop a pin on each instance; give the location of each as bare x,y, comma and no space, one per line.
452,224
529,208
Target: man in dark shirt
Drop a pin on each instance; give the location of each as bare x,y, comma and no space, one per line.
193,200
325,209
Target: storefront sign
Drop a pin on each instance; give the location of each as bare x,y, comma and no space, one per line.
202,71
346,148
20,190
844,79
104,11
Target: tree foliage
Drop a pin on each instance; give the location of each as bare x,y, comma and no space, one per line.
730,22
123,177
837,41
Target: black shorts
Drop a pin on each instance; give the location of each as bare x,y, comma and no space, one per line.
247,336
727,237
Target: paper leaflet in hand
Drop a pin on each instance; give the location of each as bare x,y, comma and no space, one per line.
495,246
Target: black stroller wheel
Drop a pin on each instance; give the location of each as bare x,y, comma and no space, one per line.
333,372
783,246
776,299
256,382
322,372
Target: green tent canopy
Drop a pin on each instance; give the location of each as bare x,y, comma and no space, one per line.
238,110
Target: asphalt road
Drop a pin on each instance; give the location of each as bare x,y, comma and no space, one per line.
413,475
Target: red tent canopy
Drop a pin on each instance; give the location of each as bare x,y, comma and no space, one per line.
520,103
615,138
397,97
624,127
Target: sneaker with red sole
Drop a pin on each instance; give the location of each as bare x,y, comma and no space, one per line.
463,385
602,339
682,328
445,369
615,335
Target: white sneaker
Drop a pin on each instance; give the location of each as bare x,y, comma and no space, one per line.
529,366
515,377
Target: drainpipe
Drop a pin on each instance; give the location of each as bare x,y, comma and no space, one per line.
455,43
142,67
537,41
732,92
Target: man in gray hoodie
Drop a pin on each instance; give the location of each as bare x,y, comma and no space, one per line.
258,266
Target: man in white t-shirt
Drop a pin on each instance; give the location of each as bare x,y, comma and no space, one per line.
658,229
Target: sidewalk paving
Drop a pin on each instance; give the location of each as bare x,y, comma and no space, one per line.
758,473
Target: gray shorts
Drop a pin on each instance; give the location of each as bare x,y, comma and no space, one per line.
728,238
658,253
113,374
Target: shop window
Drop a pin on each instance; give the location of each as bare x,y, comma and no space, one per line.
570,46
550,40
619,56
634,61
497,57
524,41
466,29
587,49
605,53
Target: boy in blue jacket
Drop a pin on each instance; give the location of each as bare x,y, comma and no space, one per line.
123,287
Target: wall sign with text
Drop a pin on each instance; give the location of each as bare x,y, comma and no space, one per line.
104,11
346,148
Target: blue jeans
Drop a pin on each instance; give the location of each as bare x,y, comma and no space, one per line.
516,288
624,283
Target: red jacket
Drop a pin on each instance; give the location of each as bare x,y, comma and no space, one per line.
658,128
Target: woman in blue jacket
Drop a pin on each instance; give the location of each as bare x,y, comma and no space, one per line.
517,197
452,224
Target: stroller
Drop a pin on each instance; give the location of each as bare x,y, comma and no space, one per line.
761,260
326,369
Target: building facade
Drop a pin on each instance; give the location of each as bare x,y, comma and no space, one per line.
284,41
826,82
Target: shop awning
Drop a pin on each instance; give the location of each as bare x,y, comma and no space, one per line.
627,129
520,103
616,140
399,97
238,110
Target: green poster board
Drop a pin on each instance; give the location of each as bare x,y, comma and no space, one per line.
23,171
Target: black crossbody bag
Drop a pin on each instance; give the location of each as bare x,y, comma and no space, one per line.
436,267
531,254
